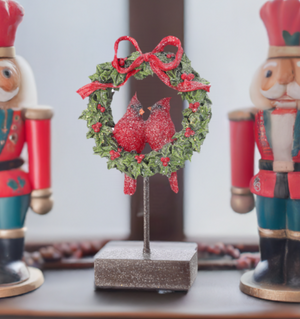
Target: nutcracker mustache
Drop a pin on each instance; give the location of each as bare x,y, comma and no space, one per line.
6,96
278,90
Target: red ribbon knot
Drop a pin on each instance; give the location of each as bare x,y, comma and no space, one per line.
157,66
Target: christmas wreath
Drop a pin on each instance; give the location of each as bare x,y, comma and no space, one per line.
175,71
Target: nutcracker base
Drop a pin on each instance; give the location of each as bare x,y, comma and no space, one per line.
170,266
268,291
36,279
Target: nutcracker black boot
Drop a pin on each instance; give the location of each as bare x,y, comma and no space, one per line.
12,269
271,267
293,263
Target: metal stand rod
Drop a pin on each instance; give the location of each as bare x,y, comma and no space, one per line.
146,216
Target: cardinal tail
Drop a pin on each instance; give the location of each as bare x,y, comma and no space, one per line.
129,185
173,182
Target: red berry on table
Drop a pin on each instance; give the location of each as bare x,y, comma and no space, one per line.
162,159
196,104
186,134
99,106
136,157
119,149
112,152
191,76
102,109
191,105
165,163
142,156
188,129
167,159
194,110
192,133
112,157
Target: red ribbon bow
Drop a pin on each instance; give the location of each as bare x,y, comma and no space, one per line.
157,66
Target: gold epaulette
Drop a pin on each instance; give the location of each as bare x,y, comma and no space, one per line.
38,113
243,115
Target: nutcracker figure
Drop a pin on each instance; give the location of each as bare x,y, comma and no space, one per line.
274,124
21,120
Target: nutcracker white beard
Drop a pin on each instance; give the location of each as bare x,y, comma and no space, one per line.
6,96
283,95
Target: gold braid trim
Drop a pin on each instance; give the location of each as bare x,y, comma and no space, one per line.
12,233
279,233
7,52
282,52
272,233
295,235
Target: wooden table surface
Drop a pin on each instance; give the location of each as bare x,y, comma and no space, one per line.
215,294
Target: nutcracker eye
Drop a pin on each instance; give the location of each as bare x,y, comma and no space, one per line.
6,73
268,73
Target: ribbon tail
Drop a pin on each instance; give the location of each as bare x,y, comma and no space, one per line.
188,86
90,88
185,86
161,75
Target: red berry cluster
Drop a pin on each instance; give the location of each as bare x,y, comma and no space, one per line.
170,55
139,158
188,77
194,107
96,127
114,154
189,132
165,161
101,108
122,62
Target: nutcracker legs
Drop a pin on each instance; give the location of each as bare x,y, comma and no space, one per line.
12,216
279,230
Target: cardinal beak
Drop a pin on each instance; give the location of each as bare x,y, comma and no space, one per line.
141,111
149,108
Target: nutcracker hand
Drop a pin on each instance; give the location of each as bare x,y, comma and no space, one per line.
41,201
42,205
242,204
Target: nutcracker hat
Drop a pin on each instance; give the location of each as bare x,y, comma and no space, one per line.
11,14
282,21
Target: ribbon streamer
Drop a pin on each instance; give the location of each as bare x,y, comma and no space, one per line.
157,66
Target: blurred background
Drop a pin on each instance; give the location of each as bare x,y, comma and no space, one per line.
64,41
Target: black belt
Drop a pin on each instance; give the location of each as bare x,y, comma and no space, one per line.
281,189
15,163
267,165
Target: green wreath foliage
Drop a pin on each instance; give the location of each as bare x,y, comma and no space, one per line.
179,151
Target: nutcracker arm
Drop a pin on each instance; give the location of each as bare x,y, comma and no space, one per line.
242,143
38,138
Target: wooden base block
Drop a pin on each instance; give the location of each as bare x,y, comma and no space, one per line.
170,266
35,280
268,291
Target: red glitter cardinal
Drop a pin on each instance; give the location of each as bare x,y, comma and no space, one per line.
159,130
129,132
